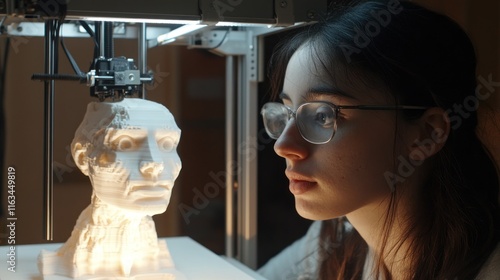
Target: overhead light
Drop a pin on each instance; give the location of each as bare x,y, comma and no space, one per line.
229,23
139,20
178,32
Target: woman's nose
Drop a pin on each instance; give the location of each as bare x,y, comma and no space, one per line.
290,144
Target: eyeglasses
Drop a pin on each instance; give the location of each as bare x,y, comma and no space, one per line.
316,121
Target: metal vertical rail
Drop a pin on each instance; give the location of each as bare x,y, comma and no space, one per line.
230,122
48,190
247,155
239,158
243,46
143,53
102,39
107,37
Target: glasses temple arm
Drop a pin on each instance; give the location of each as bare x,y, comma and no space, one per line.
381,107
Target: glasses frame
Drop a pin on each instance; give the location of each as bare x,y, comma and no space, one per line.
336,109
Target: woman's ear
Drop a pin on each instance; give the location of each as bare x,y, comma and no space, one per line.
433,128
80,156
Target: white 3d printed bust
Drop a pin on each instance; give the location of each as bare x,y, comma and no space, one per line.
128,150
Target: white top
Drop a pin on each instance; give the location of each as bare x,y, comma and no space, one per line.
297,261
300,261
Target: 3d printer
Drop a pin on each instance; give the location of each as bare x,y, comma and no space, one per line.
232,28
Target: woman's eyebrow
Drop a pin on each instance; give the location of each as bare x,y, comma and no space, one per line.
284,96
313,93
333,91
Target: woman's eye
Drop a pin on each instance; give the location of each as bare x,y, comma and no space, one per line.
324,116
123,143
167,144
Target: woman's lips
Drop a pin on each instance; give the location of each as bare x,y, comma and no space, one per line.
298,187
299,183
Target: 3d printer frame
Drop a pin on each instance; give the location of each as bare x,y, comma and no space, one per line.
241,47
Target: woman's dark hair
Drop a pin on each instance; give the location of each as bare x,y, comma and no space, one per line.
422,58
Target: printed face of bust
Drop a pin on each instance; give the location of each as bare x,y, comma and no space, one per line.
133,163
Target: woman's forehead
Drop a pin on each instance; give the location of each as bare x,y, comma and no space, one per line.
309,69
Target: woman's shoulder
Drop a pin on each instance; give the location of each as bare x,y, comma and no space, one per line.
301,259
491,269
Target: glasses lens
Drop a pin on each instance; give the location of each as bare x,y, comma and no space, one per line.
275,117
316,122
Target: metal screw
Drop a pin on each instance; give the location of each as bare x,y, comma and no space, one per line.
131,77
19,28
283,4
311,14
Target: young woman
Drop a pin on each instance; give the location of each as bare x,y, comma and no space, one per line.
377,125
